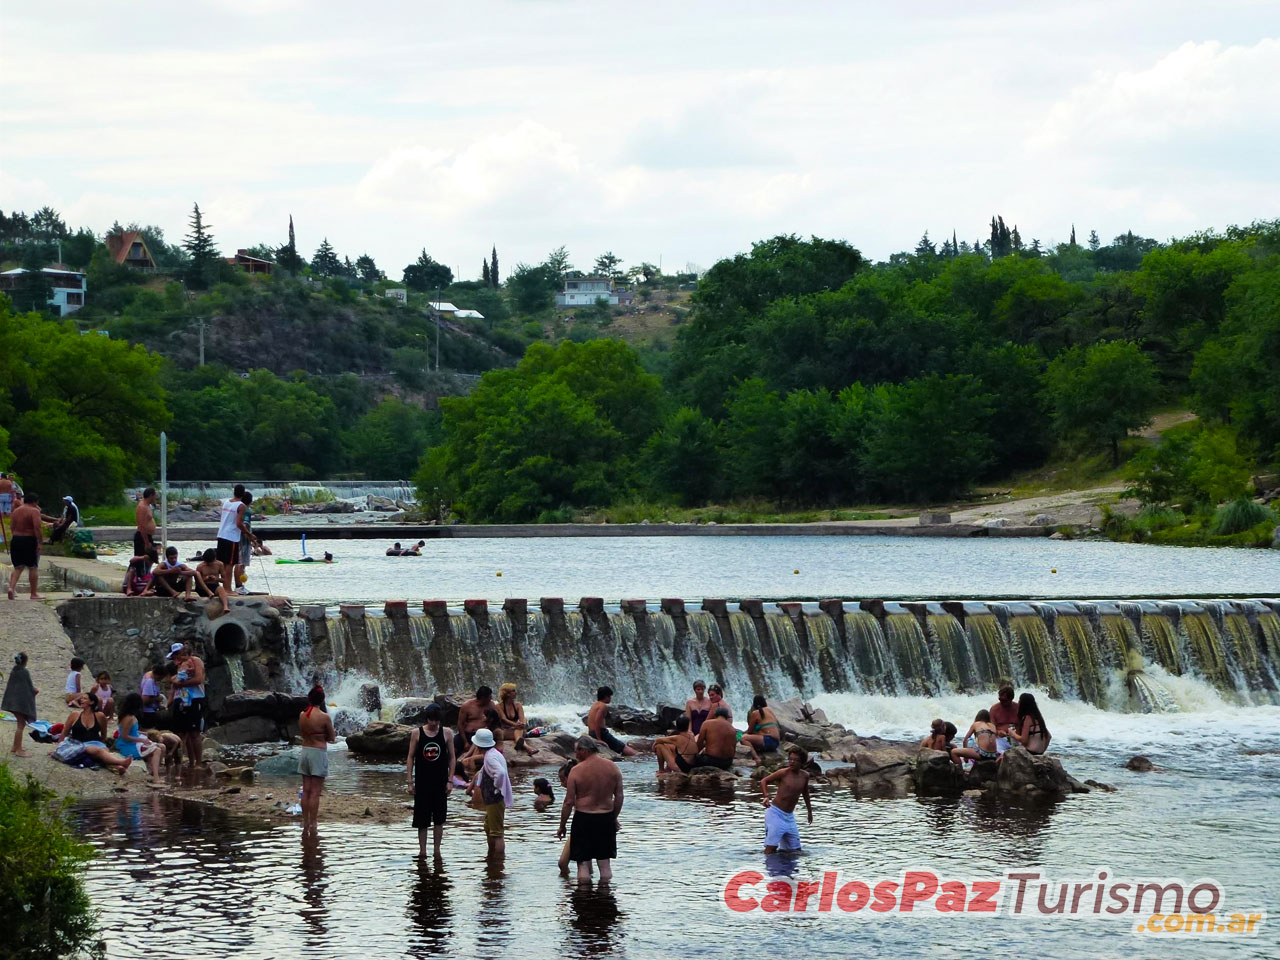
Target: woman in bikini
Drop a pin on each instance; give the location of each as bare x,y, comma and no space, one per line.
698,708
511,713
983,732
763,733
1032,732
88,725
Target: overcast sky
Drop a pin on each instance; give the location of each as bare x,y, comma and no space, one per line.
681,131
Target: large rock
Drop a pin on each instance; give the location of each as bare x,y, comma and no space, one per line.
1042,520
632,721
247,730
883,768
370,698
413,712
1026,776
667,715
934,518
1140,763
451,704
936,776
386,739
250,703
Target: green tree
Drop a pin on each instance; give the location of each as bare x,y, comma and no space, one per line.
532,289
494,279
606,265
424,274
204,267
389,440
557,264
287,257
367,270
326,263
484,273
1102,392
682,460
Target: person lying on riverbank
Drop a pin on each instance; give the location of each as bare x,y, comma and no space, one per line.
1031,731
20,700
780,830
763,733
598,723
86,727
131,742
983,733
717,743
682,744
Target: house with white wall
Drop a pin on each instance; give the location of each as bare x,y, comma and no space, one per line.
585,291
68,287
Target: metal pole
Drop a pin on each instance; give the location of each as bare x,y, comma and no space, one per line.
164,492
436,308
201,322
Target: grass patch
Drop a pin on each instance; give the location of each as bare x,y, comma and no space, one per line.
1240,516
115,515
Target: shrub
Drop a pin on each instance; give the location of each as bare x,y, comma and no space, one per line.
1238,516
1153,517
46,911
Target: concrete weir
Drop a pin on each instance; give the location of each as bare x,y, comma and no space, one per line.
560,651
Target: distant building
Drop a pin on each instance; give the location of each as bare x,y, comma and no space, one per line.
68,287
129,248
396,293
468,314
585,291
250,264
444,306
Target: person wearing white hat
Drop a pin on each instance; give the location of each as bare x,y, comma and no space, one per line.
69,520
494,786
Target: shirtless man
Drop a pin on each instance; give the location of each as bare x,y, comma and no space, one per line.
470,719
172,575
209,578
680,744
144,537
780,830
316,728
1004,714
598,723
593,794
24,545
983,732
717,742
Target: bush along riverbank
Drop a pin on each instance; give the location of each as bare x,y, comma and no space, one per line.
1240,523
46,911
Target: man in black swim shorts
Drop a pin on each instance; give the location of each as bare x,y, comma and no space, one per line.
593,794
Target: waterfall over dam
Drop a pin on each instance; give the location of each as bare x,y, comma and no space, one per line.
1103,652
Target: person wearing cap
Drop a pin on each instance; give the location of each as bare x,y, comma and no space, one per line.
69,520
188,702
593,794
494,786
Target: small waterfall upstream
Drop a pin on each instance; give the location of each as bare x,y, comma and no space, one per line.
1093,651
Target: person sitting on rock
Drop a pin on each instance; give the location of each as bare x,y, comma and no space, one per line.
88,726
715,693
983,732
209,576
780,830
681,744
172,575
104,694
698,708
763,733
511,712
717,742
474,756
598,723
937,738
1004,714
1030,731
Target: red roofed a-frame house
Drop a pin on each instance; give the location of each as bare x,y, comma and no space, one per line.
129,247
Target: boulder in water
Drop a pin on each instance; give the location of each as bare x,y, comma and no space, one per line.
1141,764
412,712
450,703
249,703
382,739
667,715
882,767
1032,777
936,776
247,730
633,721
370,698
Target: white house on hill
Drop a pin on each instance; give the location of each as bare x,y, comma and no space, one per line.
67,295
585,291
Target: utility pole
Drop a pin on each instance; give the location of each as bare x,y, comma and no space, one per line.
436,309
200,323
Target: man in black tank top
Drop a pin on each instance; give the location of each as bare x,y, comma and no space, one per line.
429,768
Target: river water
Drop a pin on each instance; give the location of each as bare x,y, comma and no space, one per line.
173,876
758,566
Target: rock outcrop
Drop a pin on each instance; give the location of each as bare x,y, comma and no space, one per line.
381,738
1034,778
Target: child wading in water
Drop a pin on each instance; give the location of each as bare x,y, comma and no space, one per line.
780,830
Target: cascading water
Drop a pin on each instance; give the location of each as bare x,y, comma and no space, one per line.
1091,651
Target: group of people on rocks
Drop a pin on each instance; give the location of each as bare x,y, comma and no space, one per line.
994,730
176,686
22,522
221,570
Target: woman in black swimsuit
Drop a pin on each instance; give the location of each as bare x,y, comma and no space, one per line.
1032,732
88,725
512,713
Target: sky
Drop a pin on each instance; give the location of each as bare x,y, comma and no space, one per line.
670,132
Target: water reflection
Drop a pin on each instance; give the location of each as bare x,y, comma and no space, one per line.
430,909
314,884
595,922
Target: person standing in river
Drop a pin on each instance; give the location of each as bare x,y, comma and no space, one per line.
593,794
493,783
316,729
428,768
780,830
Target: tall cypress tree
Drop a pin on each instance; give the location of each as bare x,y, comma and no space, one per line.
955,247
1073,234
202,271
287,256
493,267
484,273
